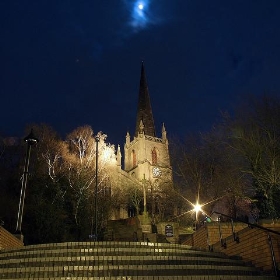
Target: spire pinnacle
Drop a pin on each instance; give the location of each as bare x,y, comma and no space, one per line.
144,111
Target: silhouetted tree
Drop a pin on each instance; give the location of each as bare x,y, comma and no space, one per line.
254,135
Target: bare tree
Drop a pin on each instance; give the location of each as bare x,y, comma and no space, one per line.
50,150
206,173
134,197
80,161
254,135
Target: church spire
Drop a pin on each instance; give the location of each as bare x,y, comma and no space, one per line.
144,111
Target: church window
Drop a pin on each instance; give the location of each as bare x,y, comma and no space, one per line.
133,158
154,156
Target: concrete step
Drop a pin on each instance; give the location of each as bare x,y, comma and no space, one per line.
116,260
105,249
101,244
120,260
96,255
197,277
132,273
126,270
123,230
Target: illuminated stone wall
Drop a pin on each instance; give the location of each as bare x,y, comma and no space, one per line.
8,241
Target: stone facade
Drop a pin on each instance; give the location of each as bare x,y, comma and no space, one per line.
146,157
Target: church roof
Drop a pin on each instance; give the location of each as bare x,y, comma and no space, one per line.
144,111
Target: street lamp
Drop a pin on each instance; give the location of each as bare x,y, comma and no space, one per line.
97,138
144,195
196,208
30,139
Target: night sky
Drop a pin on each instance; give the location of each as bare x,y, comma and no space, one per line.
69,63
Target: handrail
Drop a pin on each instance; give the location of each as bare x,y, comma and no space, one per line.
252,226
249,224
272,254
223,243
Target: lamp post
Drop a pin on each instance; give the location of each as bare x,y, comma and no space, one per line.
144,195
97,138
30,139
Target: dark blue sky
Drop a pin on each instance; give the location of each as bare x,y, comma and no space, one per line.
68,63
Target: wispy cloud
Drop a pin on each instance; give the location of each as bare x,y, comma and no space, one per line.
141,15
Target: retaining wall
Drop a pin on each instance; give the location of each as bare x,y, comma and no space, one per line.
252,244
8,240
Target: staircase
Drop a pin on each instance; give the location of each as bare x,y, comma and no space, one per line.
123,230
129,230
120,261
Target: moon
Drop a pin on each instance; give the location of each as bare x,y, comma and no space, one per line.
141,15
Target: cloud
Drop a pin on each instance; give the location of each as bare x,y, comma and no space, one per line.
142,15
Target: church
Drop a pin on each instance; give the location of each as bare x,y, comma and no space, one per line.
146,156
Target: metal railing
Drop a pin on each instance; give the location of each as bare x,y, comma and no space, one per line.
237,240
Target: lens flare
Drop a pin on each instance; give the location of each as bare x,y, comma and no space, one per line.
197,208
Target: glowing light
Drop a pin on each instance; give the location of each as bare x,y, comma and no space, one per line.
197,208
142,15
139,16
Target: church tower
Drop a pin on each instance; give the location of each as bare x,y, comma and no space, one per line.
147,156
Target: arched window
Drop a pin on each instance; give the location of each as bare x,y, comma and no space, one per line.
154,156
133,158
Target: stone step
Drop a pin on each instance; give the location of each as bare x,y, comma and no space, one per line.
98,250
126,270
116,260
109,255
123,230
120,261
196,277
103,244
